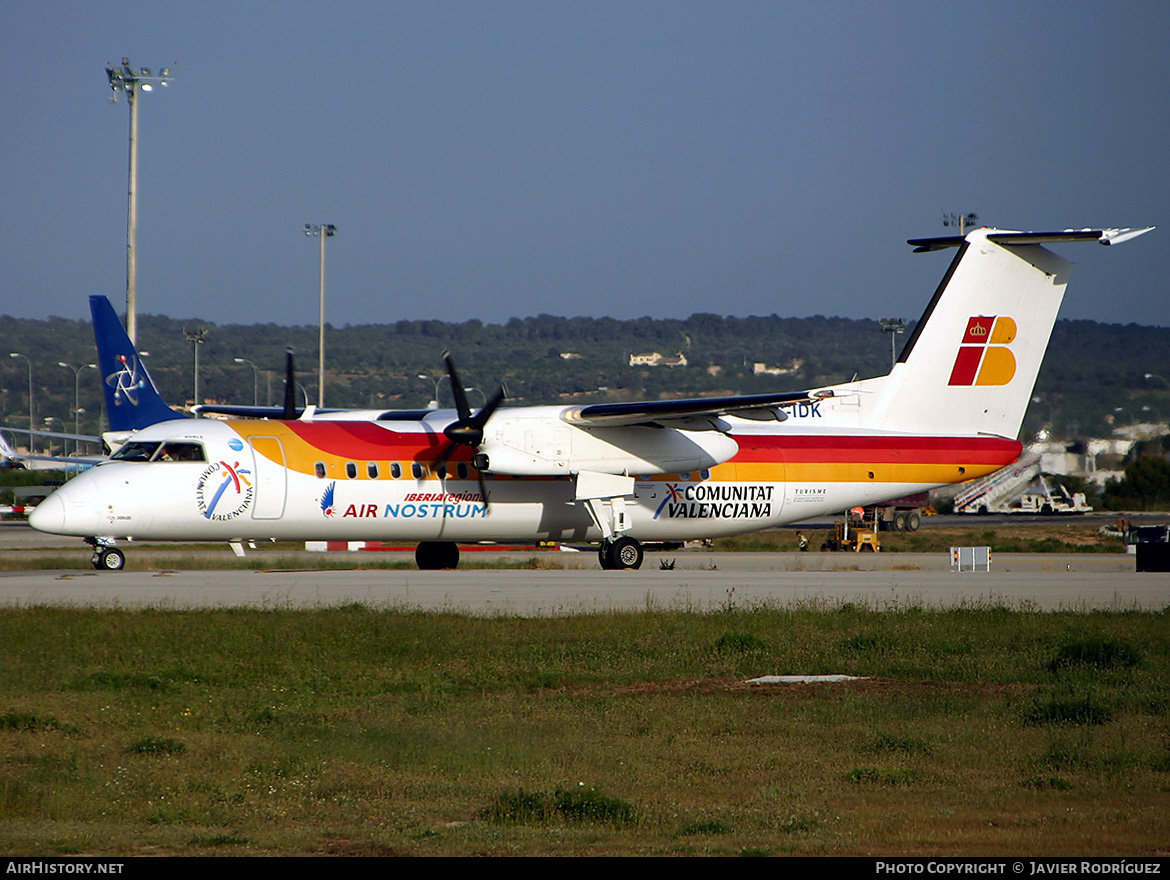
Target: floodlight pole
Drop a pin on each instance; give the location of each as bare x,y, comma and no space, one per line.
960,220
196,337
126,79
322,231
76,399
893,326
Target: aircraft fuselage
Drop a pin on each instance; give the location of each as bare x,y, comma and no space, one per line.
371,481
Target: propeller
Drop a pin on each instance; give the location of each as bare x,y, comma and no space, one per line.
467,429
290,388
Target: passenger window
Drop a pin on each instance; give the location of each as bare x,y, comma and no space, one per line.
395,470
441,471
461,470
417,470
351,470
319,470
372,469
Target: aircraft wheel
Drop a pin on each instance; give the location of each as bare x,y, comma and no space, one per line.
436,555
111,559
604,555
626,553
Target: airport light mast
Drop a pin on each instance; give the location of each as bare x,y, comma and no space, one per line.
77,398
196,337
323,231
131,81
960,220
893,326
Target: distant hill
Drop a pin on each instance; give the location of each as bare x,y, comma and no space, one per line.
1093,375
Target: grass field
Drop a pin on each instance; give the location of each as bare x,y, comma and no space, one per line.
370,732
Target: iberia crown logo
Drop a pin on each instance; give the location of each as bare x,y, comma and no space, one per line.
984,357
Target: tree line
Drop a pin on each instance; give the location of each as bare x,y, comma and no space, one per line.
1095,376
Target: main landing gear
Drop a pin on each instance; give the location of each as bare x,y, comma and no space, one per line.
436,555
620,553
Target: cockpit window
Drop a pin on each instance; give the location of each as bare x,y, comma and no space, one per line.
137,450
180,452
144,450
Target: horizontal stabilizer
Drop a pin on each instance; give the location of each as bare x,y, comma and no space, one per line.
1104,236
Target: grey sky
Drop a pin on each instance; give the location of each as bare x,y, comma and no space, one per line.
499,159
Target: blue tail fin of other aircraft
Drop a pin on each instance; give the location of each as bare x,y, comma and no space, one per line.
132,401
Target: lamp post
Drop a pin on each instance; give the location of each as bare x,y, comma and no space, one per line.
255,378
49,427
196,337
76,397
127,79
31,426
434,404
322,231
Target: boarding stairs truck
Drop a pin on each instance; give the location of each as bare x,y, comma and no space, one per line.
993,492
1007,491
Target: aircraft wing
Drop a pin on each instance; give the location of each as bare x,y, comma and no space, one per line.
85,438
63,461
693,411
329,413
243,411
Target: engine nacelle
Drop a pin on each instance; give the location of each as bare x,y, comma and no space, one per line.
552,447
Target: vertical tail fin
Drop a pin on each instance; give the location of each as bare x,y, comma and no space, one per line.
972,361
132,400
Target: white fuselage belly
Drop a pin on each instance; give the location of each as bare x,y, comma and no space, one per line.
245,495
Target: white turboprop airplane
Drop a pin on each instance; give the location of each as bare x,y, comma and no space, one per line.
621,474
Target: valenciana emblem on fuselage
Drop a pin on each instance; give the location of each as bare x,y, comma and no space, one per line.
223,491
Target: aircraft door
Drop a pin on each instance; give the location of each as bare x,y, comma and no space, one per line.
271,477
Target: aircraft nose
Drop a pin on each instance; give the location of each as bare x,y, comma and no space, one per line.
49,515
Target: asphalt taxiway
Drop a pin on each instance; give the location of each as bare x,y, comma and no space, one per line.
698,582
571,583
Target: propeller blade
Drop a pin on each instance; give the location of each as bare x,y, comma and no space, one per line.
446,453
467,430
480,418
457,390
482,490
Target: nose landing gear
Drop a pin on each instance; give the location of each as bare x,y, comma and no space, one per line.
105,556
